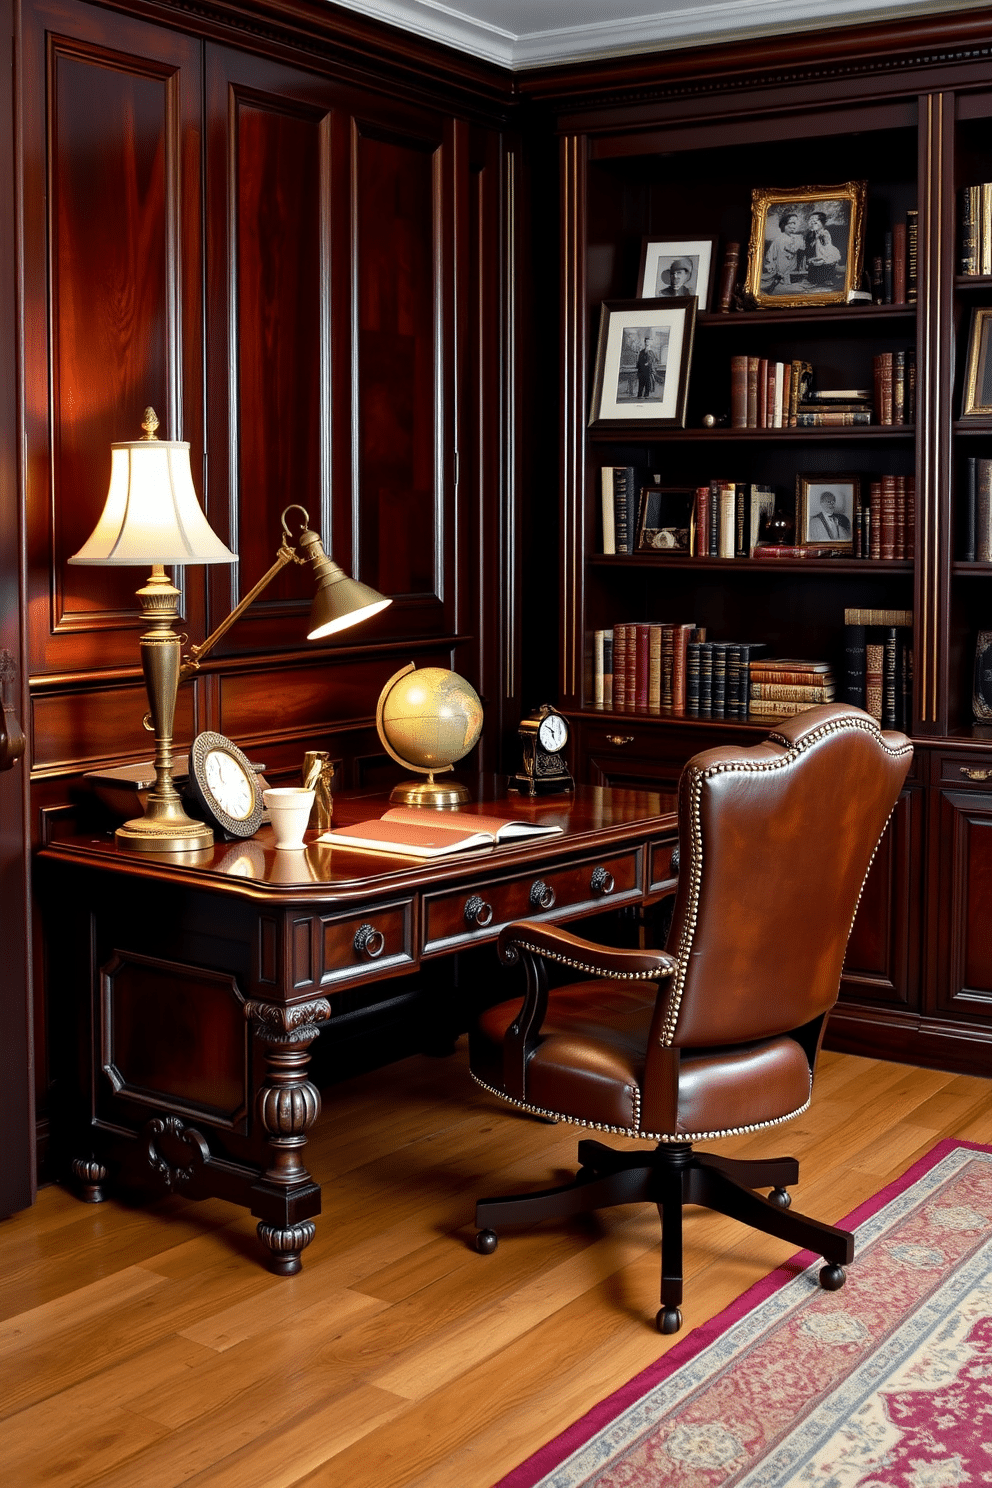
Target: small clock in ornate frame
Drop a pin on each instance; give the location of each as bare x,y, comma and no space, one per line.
543,735
223,786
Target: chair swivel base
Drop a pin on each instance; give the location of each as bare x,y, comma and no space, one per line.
669,1177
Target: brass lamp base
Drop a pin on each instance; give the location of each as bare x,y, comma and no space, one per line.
182,834
429,793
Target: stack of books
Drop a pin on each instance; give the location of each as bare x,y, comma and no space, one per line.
832,408
878,648
781,686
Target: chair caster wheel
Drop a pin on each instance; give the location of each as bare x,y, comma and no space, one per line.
832,1278
669,1320
781,1197
486,1242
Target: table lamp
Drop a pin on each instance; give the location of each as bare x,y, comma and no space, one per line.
152,516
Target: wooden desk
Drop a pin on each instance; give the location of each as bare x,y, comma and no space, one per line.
161,969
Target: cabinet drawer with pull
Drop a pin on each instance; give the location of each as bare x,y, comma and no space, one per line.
972,768
358,944
475,914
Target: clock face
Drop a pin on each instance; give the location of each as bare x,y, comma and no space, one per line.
224,786
229,785
553,733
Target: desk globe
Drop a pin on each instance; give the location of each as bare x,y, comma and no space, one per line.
428,720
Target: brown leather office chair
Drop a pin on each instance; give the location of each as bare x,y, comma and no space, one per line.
718,1034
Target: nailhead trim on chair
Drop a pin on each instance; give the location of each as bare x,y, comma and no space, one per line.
613,976
793,751
628,1131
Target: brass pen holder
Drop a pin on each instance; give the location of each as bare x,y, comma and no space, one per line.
322,815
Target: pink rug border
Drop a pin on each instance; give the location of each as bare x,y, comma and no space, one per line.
557,1450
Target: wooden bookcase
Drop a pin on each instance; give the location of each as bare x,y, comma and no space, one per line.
678,158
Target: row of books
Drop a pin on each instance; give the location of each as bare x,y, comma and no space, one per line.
885,524
621,488
978,511
729,518
893,271
878,651
765,394
671,669
975,229
894,386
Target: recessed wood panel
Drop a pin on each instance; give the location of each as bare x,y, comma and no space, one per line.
397,186
70,728
281,331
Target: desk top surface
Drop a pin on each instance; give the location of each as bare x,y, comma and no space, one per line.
593,818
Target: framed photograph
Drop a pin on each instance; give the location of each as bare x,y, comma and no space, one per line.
807,244
976,401
663,522
642,362
825,508
678,269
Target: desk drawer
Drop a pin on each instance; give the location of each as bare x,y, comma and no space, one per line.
472,915
362,945
966,769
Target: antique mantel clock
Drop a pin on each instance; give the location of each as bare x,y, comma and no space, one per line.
543,736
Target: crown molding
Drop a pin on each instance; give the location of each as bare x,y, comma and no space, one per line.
673,27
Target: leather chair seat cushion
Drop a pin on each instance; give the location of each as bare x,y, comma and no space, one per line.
589,1065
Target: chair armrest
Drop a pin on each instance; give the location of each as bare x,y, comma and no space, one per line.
582,955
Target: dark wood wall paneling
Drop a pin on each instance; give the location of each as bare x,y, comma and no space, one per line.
289,248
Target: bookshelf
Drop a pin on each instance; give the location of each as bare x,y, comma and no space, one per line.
918,980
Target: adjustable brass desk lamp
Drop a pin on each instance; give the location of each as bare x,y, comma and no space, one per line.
152,515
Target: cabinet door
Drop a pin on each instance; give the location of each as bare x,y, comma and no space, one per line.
963,967
882,961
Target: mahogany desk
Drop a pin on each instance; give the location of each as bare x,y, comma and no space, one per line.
189,988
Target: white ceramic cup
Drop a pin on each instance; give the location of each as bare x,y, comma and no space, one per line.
289,808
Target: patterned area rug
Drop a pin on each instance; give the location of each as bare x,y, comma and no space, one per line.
884,1384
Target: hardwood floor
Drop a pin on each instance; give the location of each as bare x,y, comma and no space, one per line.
149,1347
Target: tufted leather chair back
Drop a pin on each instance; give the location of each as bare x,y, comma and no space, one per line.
775,844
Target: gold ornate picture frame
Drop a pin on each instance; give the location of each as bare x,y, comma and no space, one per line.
807,244
976,399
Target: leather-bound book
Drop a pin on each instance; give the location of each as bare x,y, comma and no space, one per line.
642,660
971,485
874,674
667,666
855,637
875,519
899,535
728,277
983,512
654,668
911,516
738,392
969,212
680,657
887,538
620,638
890,673
761,399
899,263
752,392
912,255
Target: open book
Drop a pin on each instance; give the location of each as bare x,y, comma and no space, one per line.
411,831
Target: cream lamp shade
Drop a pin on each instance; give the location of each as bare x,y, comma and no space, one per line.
152,514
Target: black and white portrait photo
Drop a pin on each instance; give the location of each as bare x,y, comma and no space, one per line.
643,364
642,361
676,269
826,510
805,246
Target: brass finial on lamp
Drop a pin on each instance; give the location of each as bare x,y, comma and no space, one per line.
152,515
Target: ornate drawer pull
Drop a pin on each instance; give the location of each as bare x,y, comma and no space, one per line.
478,912
673,862
971,774
602,881
369,941
542,895
620,739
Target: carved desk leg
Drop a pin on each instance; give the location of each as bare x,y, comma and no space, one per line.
287,1106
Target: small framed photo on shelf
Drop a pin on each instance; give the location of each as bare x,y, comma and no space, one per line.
663,522
642,363
806,246
678,269
976,400
825,508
